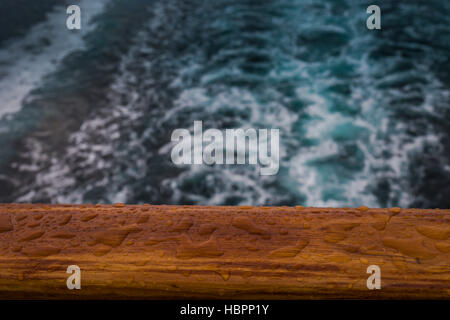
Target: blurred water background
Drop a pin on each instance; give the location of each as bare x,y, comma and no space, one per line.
364,116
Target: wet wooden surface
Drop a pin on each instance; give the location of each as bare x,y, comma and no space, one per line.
148,252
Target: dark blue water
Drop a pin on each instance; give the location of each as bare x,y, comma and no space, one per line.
364,116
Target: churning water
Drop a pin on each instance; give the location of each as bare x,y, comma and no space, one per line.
364,115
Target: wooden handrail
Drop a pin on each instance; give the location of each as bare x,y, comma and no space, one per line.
167,252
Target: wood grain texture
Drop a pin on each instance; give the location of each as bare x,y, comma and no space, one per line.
222,252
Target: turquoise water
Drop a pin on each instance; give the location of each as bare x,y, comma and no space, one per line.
363,115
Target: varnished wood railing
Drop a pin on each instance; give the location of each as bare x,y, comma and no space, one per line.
222,252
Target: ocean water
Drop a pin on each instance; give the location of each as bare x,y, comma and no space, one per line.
364,116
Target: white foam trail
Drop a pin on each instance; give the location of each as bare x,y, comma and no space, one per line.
25,61
95,144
